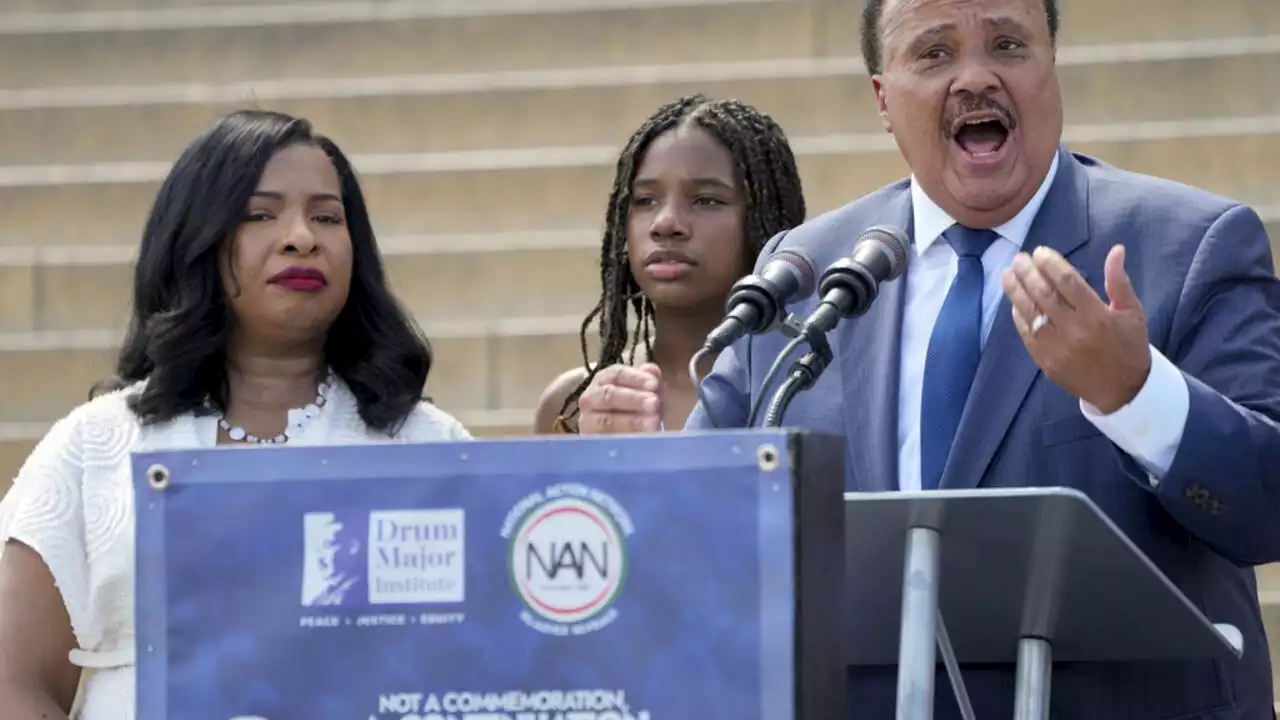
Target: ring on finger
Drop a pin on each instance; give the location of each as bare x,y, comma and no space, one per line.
1038,323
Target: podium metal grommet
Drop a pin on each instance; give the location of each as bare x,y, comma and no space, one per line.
767,457
158,477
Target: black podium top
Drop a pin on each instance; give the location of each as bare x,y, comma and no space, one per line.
1013,563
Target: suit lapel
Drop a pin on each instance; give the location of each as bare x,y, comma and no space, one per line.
869,349
1006,371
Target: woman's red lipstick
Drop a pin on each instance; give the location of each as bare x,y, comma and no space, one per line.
300,279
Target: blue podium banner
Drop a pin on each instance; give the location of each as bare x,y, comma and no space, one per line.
633,578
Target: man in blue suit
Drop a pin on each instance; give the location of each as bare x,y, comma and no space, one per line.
1061,322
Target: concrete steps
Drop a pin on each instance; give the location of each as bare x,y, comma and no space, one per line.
1098,18
45,11
56,286
1269,596
472,111
445,277
578,75
479,365
482,363
485,132
224,44
558,187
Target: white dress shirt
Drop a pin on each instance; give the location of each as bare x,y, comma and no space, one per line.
1149,428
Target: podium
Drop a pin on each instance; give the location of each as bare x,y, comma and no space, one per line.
596,578
1024,576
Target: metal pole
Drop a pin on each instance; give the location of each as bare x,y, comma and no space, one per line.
953,670
1035,661
918,639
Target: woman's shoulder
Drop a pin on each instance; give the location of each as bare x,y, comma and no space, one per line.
101,427
109,405
428,423
566,382
70,503
553,399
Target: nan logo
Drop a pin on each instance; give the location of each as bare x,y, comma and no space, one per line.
398,556
567,557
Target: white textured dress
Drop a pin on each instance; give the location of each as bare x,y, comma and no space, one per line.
72,502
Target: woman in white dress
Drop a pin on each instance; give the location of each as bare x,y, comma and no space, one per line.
261,316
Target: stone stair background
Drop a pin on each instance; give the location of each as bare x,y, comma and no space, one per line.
485,132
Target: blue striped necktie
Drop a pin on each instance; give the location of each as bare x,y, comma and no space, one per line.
954,350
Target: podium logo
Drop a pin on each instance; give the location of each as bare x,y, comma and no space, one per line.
332,560
389,556
567,557
416,556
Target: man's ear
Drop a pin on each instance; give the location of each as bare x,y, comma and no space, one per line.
882,102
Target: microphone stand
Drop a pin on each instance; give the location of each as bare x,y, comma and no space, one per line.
802,376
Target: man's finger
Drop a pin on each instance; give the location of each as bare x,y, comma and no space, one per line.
627,377
651,369
1064,278
616,398
606,423
1022,324
1119,287
1038,288
1017,294
608,375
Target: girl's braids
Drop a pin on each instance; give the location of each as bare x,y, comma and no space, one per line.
767,173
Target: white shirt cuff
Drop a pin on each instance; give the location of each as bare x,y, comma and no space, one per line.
1150,427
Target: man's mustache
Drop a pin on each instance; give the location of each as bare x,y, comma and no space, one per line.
972,104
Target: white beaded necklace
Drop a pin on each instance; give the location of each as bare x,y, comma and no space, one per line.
297,419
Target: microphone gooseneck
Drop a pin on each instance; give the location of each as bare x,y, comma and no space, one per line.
847,289
757,302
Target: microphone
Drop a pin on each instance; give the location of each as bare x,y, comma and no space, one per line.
851,284
756,302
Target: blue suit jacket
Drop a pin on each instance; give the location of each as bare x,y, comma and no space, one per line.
1202,266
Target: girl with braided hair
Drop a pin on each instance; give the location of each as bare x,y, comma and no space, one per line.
701,186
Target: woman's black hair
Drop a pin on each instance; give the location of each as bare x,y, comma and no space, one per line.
766,169
182,320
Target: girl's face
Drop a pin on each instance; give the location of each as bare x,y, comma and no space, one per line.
685,223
